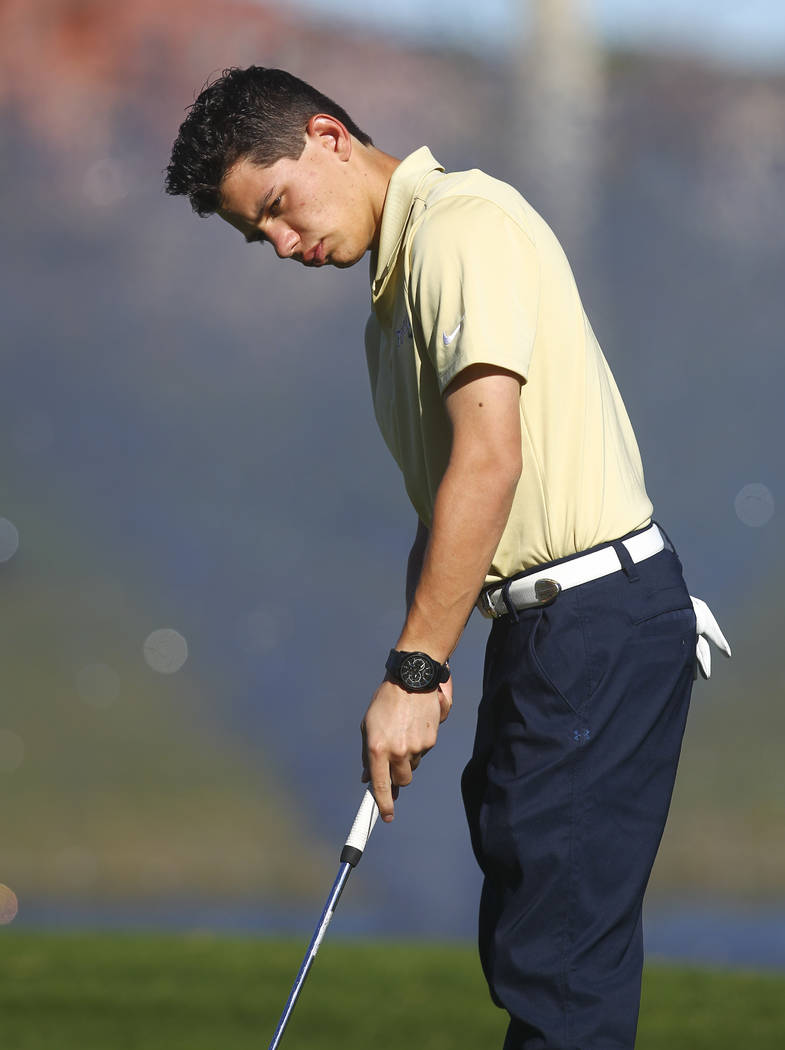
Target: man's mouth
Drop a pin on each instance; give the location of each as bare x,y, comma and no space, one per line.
316,255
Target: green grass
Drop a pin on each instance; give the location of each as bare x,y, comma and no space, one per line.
110,992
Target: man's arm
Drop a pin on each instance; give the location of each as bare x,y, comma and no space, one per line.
470,512
413,573
415,563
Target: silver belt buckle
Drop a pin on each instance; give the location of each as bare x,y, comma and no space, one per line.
484,603
546,591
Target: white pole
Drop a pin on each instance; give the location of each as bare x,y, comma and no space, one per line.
560,103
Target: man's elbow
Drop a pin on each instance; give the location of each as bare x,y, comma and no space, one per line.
514,466
505,461
512,469
497,471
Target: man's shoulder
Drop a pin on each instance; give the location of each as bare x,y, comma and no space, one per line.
468,205
475,184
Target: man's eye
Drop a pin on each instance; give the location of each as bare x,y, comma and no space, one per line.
275,205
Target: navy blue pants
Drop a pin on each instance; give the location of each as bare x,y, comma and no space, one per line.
578,737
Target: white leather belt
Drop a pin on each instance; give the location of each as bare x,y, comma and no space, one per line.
541,586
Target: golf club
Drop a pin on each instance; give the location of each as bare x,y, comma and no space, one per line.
350,856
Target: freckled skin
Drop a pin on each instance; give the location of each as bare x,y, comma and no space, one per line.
325,207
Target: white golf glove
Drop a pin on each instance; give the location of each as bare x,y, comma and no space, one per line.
708,631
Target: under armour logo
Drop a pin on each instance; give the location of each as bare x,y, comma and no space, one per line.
404,332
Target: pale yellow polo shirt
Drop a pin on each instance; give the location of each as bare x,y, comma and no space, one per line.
467,273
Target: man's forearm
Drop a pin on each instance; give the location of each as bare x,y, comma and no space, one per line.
415,563
471,510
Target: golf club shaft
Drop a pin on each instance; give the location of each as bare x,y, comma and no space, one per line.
352,851
310,955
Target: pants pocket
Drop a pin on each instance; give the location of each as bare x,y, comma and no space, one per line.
671,630
666,618
557,649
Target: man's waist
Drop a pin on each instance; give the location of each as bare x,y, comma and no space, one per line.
541,584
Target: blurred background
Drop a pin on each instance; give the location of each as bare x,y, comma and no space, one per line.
202,537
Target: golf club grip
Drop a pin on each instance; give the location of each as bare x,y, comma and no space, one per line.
361,830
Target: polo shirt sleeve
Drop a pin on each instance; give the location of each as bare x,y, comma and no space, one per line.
474,287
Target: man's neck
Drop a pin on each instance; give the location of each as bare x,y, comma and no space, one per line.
377,168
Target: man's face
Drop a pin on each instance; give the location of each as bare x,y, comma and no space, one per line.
312,209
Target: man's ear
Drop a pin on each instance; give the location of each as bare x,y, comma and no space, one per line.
329,133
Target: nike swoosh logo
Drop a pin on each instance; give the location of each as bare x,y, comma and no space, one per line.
447,339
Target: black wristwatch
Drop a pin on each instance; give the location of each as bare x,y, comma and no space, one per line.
416,672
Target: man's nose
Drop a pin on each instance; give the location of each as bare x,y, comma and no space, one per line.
283,240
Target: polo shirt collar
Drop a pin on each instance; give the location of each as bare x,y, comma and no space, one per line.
398,204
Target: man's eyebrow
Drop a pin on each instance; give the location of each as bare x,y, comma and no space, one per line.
249,239
263,203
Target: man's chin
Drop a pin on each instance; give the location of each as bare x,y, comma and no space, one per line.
350,258
338,260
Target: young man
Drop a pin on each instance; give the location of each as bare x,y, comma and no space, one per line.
494,398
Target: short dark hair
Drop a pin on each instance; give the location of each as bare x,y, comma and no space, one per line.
256,113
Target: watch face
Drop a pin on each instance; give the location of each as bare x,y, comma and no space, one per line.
417,671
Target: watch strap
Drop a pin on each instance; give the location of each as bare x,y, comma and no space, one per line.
400,660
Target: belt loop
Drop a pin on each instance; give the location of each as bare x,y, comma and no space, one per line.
667,537
670,544
627,564
513,612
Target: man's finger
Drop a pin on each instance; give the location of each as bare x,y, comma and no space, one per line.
445,704
366,764
381,785
415,760
401,772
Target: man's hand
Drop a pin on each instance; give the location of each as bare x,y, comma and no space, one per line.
398,729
